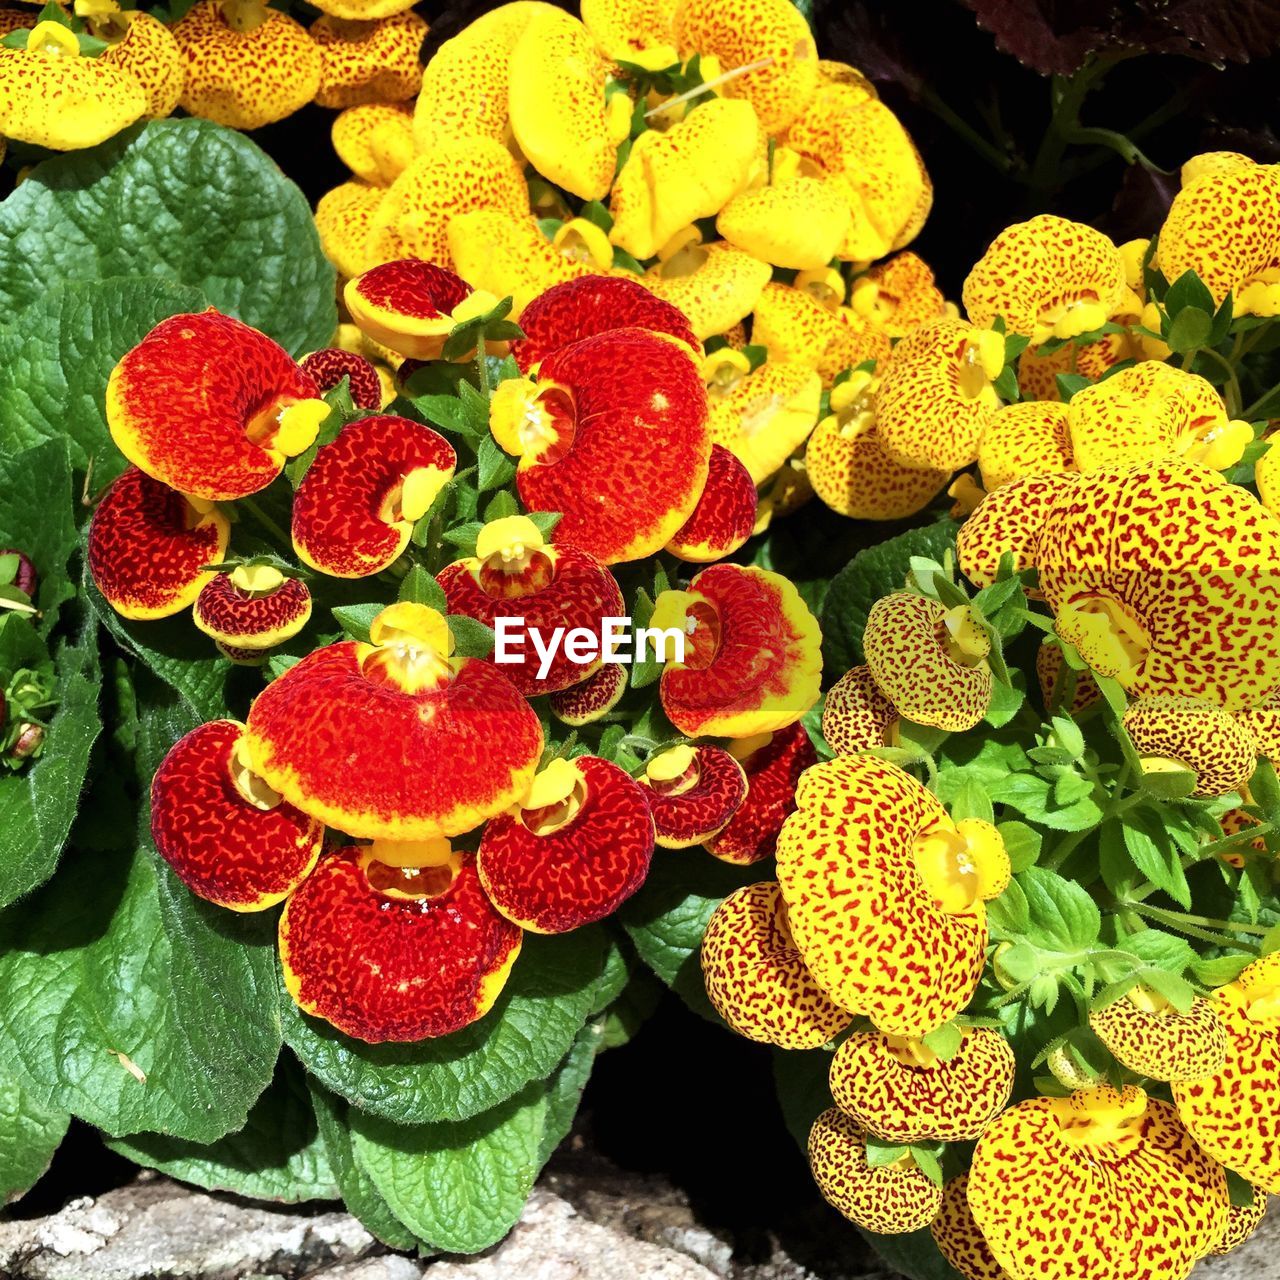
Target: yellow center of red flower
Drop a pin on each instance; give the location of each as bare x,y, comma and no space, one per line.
409,647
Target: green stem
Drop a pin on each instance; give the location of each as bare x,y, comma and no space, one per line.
1118,804
482,367
266,521
1232,382
1250,412
1205,928
963,129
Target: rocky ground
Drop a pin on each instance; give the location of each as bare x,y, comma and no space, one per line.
588,1220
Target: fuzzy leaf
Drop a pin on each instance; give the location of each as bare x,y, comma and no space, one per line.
461,1185
547,999
30,1133
114,971
278,1155
57,352
185,201
38,803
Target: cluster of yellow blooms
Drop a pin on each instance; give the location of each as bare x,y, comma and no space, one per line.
1105,492
703,149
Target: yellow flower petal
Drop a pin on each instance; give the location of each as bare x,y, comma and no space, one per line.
689,172
375,141
373,61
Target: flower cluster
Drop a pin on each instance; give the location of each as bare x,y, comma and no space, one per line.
459,814
707,155
1021,916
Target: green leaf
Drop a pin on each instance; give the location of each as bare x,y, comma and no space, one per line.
174,651
1062,914
528,1031
185,201
419,587
359,1194
38,803
356,619
1168,784
114,971
945,1040
1219,970
37,515
30,1133
1147,840
1188,291
881,1154
278,1155
471,637
1189,330
58,352
1022,843
1069,384
667,918
868,576
461,1185
494,468
1161,950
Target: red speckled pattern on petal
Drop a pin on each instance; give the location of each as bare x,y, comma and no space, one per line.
725,516
773,772
684,818
179,404
375,761
581,594
245,621
329,366
765,666
143,557
382,968
639,453
221,846
592,305
338,525
412,287
580,873
594,697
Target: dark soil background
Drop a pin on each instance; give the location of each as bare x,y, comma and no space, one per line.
683,1098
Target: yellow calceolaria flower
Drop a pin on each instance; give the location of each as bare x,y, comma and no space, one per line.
765,48
1145,1033
465,85
368,61
344,219
849,468
900,1090
716,285
1234,1112
1132,563
793,326
454,178
767,415
1151,412
936,398
906,944
141,46
899,295
888,1199
375,141
1225,226
564,122
797,219
637,31
688,172
52,96
857,142
1047,278
1029,438
246,65
508,256
1104,1182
